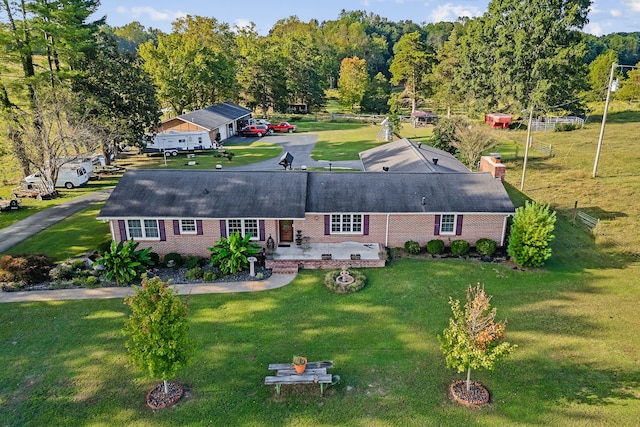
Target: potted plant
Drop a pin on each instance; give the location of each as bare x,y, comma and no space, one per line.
300,364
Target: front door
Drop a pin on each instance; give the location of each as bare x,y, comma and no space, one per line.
286,230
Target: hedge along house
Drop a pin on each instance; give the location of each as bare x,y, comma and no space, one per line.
187,211
219,119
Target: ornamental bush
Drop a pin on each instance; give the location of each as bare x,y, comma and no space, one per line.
412,247
486,247
175,257
124,263
435,246
25,269
230,254
460,247
194,273
531,234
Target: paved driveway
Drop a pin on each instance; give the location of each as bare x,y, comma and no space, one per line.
300,146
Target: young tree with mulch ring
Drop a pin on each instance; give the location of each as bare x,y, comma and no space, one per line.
158,334
474,340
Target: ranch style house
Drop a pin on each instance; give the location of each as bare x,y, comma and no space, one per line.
187,211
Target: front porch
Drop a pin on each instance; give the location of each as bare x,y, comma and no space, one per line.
289,259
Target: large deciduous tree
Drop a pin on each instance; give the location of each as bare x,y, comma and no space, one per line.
522,54
60,33
599,73
120,100
353,80
194,66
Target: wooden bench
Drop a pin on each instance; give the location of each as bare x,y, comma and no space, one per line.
314,373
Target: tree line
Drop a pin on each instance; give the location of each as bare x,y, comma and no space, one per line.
71,86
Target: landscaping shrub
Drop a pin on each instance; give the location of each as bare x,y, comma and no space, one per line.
25,269
154,258
460,247
61,273
209,276
78,265
565,127
124,263
193,261
194,273
486,247
230,254
358,283
435,246
531,234
175,257
412,247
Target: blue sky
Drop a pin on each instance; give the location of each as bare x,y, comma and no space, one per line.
606,16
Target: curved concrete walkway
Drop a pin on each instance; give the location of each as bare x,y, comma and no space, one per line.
273,282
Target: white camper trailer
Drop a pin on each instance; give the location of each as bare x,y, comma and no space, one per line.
173,142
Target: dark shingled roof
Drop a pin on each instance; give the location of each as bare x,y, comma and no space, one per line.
289,194
216,115
403,155
207,194
383,192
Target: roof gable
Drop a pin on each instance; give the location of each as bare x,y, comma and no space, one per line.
215,116
403,155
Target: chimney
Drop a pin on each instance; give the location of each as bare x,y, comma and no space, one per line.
492,164
435,160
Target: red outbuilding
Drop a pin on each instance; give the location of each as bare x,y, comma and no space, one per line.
498,120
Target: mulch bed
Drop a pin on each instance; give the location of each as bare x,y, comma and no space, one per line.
477,395
158,399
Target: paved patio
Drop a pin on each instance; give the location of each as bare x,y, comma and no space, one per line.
338,251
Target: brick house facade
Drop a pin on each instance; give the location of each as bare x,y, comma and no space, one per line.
187,211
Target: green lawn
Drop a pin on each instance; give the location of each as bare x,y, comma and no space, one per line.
574,322
64,362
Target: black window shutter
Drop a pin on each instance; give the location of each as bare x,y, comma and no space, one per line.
223,228
327,225
123,229
163,233
459,225
366,225
176,227
436,227
199,230
261,229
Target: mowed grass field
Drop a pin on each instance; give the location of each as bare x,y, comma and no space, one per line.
574,322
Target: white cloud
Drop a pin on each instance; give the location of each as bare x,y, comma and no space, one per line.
451,12
153,14
242,23
633,4
616,13
593,29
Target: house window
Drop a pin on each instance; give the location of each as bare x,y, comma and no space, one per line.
188,226
447,224
346,224
244,226
146,229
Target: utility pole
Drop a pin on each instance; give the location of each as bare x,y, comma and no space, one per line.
526,149
604,119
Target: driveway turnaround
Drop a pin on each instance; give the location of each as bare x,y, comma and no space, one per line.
300,147
273,282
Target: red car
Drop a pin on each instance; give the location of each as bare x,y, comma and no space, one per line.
283,127
254,130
